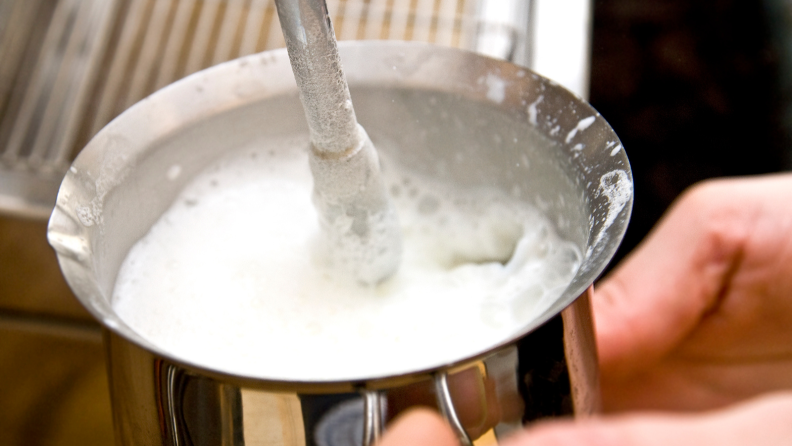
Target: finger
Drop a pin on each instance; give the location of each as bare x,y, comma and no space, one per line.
766,422
657,296
419,427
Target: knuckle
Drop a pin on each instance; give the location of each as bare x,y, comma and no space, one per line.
723,221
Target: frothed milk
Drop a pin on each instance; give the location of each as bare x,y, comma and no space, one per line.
233,276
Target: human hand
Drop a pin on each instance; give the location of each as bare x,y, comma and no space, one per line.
766,421
698,317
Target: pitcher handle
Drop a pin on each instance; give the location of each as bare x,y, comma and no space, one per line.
446,406
373,416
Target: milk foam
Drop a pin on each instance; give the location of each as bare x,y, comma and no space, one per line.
232,277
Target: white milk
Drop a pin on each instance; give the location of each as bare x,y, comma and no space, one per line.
232,276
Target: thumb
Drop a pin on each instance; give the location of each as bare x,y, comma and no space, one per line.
766,421
658,295
419,427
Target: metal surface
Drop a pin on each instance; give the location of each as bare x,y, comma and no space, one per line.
560,36
447,410
579,342
373,416
460,118
71,66
156,402
504,30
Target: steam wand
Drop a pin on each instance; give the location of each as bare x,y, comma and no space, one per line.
359,223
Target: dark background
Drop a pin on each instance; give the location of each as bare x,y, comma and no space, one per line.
694,89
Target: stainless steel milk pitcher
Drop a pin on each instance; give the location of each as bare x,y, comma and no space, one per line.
463,118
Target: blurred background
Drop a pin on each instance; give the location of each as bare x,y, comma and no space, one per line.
694,89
